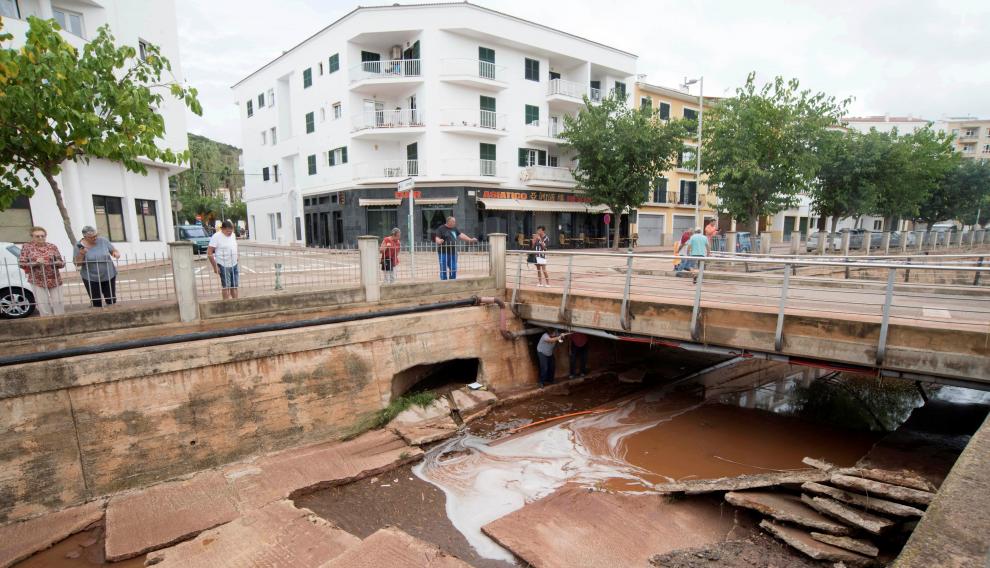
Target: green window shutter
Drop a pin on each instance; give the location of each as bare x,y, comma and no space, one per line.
250,108
532,69
487,103
334,64
532,114
310,122
664,111
487,151
343,155
523,157
620,89
311,163
541,157
486,54
331,159
307,78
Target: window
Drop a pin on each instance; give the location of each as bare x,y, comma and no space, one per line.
253,225
274,139
271,97
143,51
970,132
689,192
271,224
685,159
986,149
690,114
308,78
532,69
15,221
337,156
664,111
334,64
310,123
381,220
488,157
275,172
321,68
877,224
110,217
261,100
337,112
646,103
250,106
9,9
147,219
71,22
532,115
660,190
553,161
278,220
532,157
620,89
264,174
323,114
264,137
311,164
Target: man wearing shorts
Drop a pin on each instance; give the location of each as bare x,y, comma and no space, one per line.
222,253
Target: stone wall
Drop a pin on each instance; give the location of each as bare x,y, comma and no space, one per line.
73,429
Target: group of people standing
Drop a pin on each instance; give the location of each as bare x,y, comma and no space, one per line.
578,351
446,237
693,246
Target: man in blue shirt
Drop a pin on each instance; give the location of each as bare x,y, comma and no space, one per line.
698,247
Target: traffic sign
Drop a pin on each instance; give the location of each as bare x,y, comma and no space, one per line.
407,184
608,219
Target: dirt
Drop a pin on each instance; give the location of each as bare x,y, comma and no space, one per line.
81,550
757,551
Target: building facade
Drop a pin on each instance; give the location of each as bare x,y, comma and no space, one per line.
132,210
886,123
466,101
670,208
972,136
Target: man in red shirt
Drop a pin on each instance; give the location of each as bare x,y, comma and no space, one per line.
679,247
579,354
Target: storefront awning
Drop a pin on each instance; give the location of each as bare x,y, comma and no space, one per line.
535,205
437,201
377,202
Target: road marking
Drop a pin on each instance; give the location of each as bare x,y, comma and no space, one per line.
936,313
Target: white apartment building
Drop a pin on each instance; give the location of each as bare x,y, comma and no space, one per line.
468,101
972,135
886,123
132,210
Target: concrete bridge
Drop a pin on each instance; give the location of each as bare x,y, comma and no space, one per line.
917,317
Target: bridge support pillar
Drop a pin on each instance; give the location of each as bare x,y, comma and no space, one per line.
496,259
730,242
904,241
867,242
765,241
981,235
184,280
824,243
368,253
885,243
844,247
796,242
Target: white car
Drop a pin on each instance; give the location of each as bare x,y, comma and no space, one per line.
16,293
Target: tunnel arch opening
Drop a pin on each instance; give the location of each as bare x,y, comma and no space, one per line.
440,378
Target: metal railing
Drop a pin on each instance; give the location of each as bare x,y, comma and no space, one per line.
566,88
388,119
473,167
473,118
953,293
465,260
389,169
595,95
547,129
454,67
389,69
61,285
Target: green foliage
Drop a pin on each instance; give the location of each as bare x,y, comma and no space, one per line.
760,146
381,418
911,169
858,402
959,194
57,104
212,165
848,174
620,151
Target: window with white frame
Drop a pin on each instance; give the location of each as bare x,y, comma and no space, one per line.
143,49
967,149
272,136
986,149
271,97
337,111
10,9
69,21
877,224
970,132
271,223
337,156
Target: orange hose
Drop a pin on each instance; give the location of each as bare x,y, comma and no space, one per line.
531,424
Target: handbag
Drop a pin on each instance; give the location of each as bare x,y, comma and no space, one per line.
386,264
531,258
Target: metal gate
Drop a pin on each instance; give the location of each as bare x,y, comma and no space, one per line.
650,228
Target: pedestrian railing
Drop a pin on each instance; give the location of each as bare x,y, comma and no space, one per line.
429,262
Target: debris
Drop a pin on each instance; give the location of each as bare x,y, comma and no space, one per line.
864,501
894,492
871,523
632,376
803,542
786,508
742,482
902,478
476,386
859,545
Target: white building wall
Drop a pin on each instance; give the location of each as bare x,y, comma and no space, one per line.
154,22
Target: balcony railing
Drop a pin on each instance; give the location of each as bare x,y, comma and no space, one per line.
470,167
389,169
547,129
401,118
390,69
472,68
595,95
549,173
566,88
472,118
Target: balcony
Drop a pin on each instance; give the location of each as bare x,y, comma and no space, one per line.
387,124
595,95
386,77
472,169
566,94
476,122
388,171
545,132
473,73
548,176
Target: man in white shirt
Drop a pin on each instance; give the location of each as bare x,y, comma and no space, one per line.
222,252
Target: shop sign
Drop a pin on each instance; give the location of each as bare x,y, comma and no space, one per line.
536,196
405,194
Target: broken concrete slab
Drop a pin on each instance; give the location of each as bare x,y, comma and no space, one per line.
418,434
469,401
167,513
864,501
575,526
870,523
787,508
276,535
803,542
24,538
904,478
438,410
895,492
864,547
742,482
392,547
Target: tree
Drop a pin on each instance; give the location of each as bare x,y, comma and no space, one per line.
212,165
961,193
760,146
58,105
620,151
911,168
848,165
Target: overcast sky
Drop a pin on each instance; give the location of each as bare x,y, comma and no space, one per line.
924,58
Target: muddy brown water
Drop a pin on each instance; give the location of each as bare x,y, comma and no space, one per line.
81,550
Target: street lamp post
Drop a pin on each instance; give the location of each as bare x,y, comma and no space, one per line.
697,153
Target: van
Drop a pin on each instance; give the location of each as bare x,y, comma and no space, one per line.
195,234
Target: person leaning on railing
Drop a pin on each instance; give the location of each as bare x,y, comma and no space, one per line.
42,261
446,237
222,254
389,250
94,259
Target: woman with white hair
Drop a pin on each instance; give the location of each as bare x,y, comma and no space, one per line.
390,255
94,258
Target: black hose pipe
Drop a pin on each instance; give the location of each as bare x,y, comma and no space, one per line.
201,335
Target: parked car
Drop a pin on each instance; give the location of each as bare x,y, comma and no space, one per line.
16,293
744,242
196,234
